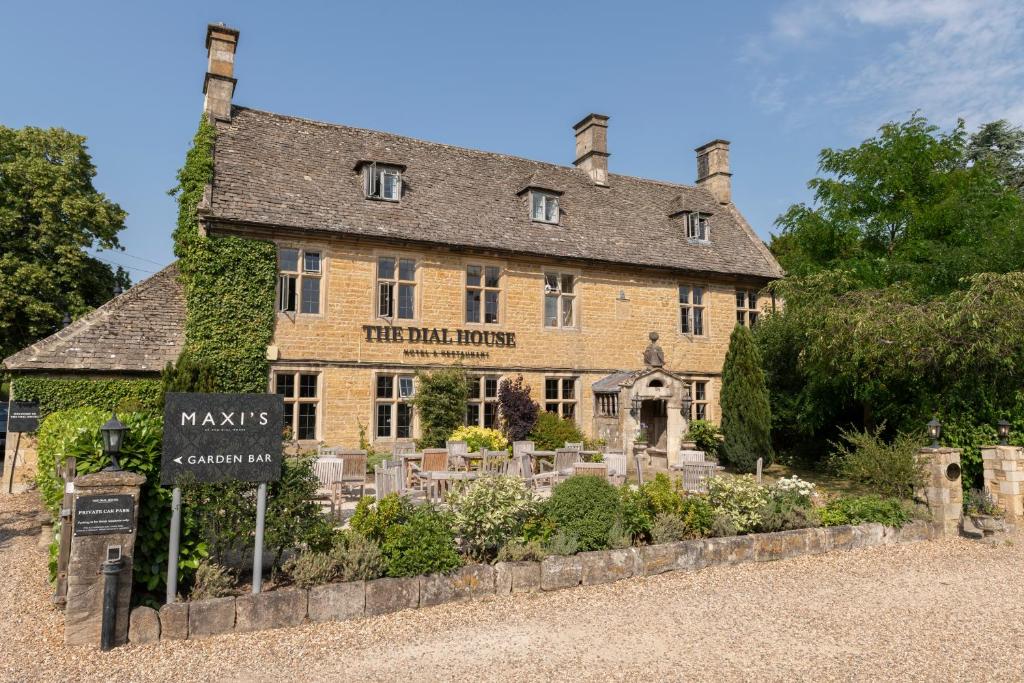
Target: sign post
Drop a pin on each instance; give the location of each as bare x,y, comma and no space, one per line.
22,416
210,438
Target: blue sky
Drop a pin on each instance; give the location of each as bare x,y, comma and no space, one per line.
780,80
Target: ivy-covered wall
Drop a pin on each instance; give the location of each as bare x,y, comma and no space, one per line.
61,393
229,284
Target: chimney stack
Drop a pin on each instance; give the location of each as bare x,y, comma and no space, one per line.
592,147
713,170
219,85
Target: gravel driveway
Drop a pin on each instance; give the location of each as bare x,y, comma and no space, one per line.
924,611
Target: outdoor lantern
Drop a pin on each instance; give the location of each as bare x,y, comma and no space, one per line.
113,433
66,321
1003,428
687,403
934,431
635,410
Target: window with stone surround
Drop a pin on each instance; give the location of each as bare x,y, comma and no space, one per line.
301,393
697,226
383,182
691,310
699,394
746,307
543,206
298,280
561,396
396,287
482,406
483,289
559,300
392,406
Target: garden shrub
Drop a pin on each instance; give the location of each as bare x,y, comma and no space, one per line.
212,580
294,519
517,411
308,569
423,544
723,525
522,551
358,558
488,512
587,508
707,437
637,518
740,499
864,510
552,432
440,403
698,515
563,544
56,394
479,438
746,413
373,518
663,495
668,528
888,469
618,537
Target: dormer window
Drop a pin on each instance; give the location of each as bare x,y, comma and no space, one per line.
697,226
383,182
544,207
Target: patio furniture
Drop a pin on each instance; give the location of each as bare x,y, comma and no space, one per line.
591,469
457,452
689,456
328,470
616,461
432,460
353,473
440,483
522,448
574,446
696,475
389,478
403,448
493,463
561,469
524,468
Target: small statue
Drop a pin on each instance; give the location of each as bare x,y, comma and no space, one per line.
654,357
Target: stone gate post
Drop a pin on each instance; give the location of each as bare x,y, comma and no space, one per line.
943,488
1004,472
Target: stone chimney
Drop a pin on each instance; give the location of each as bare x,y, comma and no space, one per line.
219,85
592,147
713,170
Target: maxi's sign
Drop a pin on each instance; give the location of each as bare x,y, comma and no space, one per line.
221,437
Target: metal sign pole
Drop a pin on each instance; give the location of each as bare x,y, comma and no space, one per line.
14,462
172,551
257,555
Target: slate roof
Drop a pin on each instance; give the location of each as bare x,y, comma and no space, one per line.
138,331
280,171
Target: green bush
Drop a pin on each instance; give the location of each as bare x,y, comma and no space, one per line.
358,558
308,569
212,581
424,544
373,518
487,513
698,515
865,509
707,437
56,394
563,544
551,432
637,517
746,413
76,433
662,495
586,508
889,469
479,438
522,551
740,499
787,511
668,528
440,403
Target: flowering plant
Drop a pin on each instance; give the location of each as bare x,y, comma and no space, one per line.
477,438
796,487
741,499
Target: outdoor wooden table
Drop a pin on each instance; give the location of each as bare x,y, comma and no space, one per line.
535,457
407,460
442,481
591,468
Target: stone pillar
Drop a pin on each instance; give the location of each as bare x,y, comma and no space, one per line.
100,521
1004,472
943,489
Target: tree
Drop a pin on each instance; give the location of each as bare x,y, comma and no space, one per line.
440,402
188,374
518,411
50,215
746,414
907,207
1002,147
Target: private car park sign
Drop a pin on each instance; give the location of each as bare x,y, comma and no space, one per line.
211,438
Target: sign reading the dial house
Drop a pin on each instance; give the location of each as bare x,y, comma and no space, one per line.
221,437
441,336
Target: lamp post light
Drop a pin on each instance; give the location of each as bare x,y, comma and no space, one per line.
113,434
1003,429
934,431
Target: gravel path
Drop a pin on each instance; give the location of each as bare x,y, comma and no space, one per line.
925,611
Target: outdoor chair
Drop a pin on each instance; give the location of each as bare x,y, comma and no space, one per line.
493,463
616,461
524,468
457,450
353,474
434,460
523,448
688,456
327,450
403,448
561,469
574,445
696,475
328,469
389,478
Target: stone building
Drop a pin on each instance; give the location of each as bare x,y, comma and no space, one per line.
398,255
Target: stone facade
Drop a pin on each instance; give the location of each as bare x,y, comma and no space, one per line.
615,310
1004,474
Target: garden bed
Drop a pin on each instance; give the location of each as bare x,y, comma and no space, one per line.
358,599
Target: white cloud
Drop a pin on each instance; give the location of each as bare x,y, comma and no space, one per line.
946,58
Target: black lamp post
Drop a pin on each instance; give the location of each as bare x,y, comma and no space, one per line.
934,431
113,434
1003,429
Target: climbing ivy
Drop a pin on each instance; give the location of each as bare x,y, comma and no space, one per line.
229,283
61,393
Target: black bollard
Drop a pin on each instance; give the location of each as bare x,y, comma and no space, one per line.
110,570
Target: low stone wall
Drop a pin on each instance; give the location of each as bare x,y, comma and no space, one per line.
342,601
